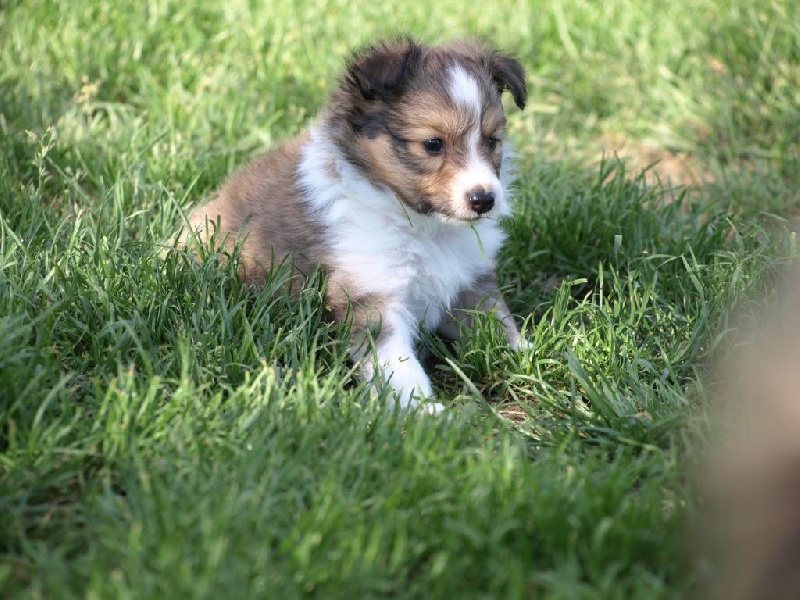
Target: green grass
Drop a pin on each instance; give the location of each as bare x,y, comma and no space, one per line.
165,432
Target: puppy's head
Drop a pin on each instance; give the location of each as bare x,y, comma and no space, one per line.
428,123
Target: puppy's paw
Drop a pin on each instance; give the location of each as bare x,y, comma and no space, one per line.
418,400
524,345
422,407
432,408
409,381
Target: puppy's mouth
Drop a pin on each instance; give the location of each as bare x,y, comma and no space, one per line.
452,217
429,207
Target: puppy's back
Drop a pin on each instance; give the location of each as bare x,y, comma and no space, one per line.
262,208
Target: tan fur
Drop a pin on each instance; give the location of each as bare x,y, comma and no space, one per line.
256,208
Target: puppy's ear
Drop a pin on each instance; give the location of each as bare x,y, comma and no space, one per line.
380,71
508,74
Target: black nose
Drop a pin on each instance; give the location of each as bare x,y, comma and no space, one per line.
480,200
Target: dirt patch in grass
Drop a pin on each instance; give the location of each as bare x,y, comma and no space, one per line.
515,414
676,171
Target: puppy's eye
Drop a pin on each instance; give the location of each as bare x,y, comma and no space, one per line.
491,143
433,146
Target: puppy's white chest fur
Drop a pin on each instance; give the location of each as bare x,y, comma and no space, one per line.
415,262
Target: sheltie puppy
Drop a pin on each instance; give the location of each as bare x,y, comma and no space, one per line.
396,193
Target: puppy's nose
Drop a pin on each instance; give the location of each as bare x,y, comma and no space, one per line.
480,200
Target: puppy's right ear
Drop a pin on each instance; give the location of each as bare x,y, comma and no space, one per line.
508,74
380,71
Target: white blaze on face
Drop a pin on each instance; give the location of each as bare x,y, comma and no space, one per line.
465,91
478,173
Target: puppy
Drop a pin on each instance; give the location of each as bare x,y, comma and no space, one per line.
396,193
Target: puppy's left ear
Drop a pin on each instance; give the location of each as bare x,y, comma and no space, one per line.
380,71
508,74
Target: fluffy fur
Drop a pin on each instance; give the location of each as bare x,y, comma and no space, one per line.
396,193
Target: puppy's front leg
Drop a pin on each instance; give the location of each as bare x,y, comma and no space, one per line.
396,362
484,296
382,343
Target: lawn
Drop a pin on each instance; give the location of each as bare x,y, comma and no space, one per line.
167,433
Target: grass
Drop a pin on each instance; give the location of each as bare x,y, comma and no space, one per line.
166,433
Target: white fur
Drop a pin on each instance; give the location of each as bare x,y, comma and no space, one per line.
383,247
478,174
464,90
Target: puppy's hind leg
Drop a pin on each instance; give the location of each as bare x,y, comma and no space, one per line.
483,296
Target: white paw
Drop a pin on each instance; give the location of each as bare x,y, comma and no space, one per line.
409,381
432,408
423,407
524,345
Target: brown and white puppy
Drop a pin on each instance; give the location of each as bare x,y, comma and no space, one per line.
396,193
